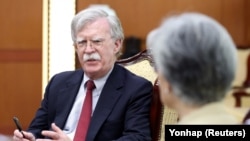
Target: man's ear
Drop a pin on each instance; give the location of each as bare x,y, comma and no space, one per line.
118,45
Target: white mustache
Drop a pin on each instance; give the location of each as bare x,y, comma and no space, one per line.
93,56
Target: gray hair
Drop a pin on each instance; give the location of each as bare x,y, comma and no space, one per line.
92,14
196,55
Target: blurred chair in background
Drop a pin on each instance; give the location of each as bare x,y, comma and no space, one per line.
132,46
241,92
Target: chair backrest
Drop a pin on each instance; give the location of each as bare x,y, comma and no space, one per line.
241,92
142,65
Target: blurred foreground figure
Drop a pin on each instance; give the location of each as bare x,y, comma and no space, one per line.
196,62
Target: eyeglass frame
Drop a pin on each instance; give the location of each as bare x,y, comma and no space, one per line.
95,43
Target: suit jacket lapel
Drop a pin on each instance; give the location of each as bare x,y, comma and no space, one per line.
109,96
67,98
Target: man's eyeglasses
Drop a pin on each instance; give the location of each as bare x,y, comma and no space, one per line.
93,43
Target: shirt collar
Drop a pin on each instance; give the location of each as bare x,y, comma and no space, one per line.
99,83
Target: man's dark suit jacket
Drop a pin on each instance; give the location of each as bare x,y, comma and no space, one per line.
122,111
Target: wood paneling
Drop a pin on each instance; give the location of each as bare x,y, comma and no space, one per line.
8,56
20,93
233,18
138,17
20,61
21,24
247,19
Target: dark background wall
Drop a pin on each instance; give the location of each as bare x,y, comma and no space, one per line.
21,42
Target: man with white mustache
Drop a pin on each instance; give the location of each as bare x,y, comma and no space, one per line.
93,56
120,99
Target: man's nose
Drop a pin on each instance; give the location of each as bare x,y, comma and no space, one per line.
89,46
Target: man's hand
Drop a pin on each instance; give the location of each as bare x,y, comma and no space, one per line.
18,136
56,135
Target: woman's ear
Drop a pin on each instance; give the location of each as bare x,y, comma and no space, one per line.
165,86
166,91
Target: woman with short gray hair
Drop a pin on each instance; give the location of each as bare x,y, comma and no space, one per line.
196,60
